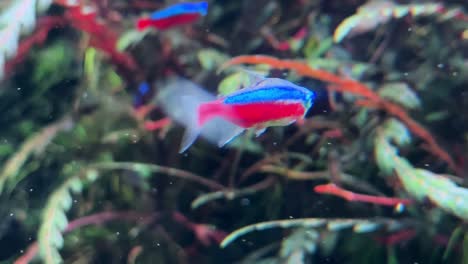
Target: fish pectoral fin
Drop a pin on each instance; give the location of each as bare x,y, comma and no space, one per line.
228,137
260,131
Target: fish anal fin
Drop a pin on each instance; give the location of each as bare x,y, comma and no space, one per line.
260,131
228,137
253,77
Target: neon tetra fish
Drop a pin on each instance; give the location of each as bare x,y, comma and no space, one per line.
269,102
178,14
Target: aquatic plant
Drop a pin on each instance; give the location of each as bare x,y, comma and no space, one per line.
19,18
375,12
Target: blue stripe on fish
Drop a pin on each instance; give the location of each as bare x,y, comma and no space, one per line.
181,9
270,90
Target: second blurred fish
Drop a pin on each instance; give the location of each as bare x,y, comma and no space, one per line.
177,14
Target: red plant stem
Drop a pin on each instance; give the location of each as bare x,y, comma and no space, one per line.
155,125
94,219
283,45
350,86
203,232
398,237
333,133
300,34
273,41
102,37
332,189
133,254
457,14
182,219
141,112
28,255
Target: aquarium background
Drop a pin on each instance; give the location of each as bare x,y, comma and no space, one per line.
91,124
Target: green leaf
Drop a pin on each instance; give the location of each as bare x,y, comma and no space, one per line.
456,235
76,185
6,149
89,61
55,238
130,38
437,116
211,59
385,155
465,249
396,131
26,127
391,256
299,240
54,220
66,201
143,170
114,79
339,225
92,175
317,47
331,224
366,227
232,83
400,93
52,64
60,220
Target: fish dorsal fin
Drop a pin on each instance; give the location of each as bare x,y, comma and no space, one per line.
254,77
274,82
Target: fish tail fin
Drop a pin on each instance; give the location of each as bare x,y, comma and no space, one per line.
143,23
200,115
229,136
192,129
190,135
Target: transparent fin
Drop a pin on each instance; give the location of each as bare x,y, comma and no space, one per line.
192,130
189,137
290,122
254,77
228,137
273,82
260,131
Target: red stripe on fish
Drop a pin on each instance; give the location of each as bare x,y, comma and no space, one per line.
250,115
166,23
